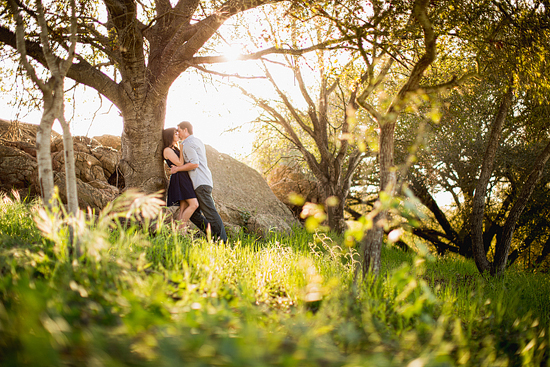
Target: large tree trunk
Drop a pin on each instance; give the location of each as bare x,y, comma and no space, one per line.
503,246
142,163
478,204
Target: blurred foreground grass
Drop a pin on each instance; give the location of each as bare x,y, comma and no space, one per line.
135,297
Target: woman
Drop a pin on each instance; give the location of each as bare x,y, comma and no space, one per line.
180,188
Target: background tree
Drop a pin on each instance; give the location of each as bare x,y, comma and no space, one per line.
494,193
521,34
383,33
452,158
320,130
478,30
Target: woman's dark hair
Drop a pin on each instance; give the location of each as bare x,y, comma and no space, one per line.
168,137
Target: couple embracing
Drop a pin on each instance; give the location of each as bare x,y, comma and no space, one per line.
191,182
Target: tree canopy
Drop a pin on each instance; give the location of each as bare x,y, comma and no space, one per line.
131,52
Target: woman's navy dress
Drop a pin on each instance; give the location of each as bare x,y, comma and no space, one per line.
180,186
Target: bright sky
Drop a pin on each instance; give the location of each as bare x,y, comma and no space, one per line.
213,111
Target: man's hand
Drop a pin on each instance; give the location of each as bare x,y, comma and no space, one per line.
173,169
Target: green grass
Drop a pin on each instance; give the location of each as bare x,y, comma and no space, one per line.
136,297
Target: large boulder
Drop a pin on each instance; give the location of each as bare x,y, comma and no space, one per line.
109,159
29,148
93,161
109,141
18,170
80,144
243,197
23,131
95,194
87,167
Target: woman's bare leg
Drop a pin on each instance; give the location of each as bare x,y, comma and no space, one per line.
187,207
183,207
192,205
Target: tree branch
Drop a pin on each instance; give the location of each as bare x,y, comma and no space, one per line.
260,54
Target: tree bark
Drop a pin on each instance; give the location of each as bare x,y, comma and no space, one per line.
478,203
141,163
503,246
70,171
44,158
371,249
335,212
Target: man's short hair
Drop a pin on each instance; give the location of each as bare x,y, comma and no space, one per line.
186,125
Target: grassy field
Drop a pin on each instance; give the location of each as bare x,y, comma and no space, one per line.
135,297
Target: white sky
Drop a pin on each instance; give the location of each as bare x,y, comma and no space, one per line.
212,111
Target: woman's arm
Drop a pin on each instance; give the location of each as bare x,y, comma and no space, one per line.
169,154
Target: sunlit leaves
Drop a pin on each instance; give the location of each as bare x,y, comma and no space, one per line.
356,230
296,199
314,215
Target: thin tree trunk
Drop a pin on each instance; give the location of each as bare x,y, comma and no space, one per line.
478,203
335,214
70,171
371,249
371,245
503,246
43,155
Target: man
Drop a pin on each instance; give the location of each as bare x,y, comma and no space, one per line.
196,164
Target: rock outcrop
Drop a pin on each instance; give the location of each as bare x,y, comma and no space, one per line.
24,132
243,197
284,180
18,171
110,141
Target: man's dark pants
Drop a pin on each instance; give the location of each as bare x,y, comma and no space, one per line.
207,213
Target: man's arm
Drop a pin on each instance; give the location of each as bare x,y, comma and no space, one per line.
191,159
186,167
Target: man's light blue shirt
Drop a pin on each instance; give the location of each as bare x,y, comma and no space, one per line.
195,152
